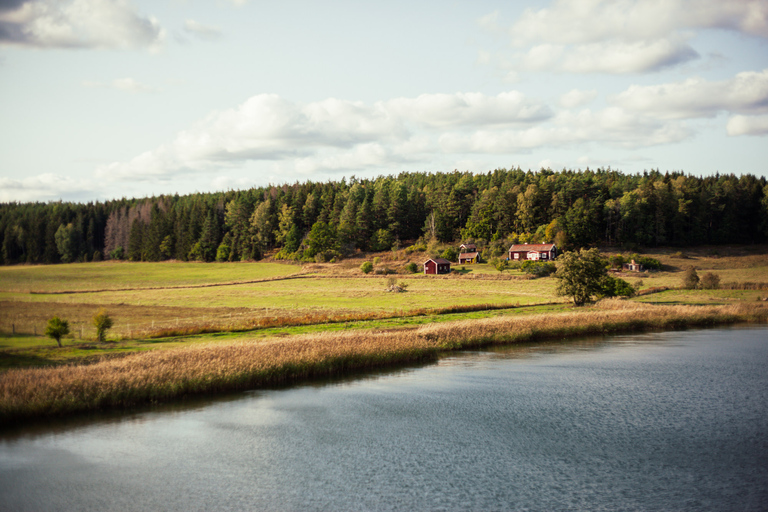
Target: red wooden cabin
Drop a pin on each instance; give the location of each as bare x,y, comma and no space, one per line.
437,266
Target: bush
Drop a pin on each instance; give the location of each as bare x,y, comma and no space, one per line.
538,268
103,322
366,267
57,328
499,264
690,279
450,254
118,253
328,255
646,261
97,256
412,268
615,287
418,246
710,281
616,261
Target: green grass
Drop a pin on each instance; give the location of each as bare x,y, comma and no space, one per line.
322,293
141,297
120,275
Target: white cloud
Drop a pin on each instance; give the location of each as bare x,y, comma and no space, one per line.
623,58
588,21
206,32
331,134
747,125
622,36
122,84
43,187
577,98
746,93
462,109
77,24
612,126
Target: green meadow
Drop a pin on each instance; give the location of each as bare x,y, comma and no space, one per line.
175,304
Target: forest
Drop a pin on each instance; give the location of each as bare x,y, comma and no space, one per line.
315,221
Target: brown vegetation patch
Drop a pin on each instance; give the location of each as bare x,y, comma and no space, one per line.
158,376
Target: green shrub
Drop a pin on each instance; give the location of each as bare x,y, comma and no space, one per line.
102,322
412,268
118,253
57,328
538,268
616,261
418,246
690,279
366,267
646,261
450,254
710,281
615,287
499,264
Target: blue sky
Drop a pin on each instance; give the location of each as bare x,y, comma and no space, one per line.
104,99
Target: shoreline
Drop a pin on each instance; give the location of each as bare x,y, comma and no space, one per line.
208,369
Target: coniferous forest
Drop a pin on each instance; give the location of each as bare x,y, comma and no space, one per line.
322,221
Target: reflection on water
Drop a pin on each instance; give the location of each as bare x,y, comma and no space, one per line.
661,421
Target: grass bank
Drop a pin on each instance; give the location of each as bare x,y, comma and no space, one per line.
162,376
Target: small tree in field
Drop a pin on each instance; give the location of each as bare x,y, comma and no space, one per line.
580,275
710,281
102,321
57,328
690,279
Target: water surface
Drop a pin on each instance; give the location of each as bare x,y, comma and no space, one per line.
663,421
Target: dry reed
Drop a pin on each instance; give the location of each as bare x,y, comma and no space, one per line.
267,322
159,376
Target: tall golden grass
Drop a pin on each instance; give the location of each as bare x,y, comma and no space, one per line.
160,376
267,322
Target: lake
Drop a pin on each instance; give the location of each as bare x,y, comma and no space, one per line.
659,421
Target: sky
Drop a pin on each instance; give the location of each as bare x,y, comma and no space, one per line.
104,99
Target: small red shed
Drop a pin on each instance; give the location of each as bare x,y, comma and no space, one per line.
437,266
468,257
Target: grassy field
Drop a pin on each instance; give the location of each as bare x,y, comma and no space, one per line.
148,300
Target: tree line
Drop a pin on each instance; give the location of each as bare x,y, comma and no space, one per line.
323,220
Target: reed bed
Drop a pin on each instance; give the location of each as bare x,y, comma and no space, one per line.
268,322
161,376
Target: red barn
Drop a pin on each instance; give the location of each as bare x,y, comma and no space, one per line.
543,252
437,266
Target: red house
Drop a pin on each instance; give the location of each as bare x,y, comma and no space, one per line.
543,252
468,257
437,266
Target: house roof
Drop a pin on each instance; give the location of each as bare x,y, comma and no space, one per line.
468,246
532,247
468,255
441,261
